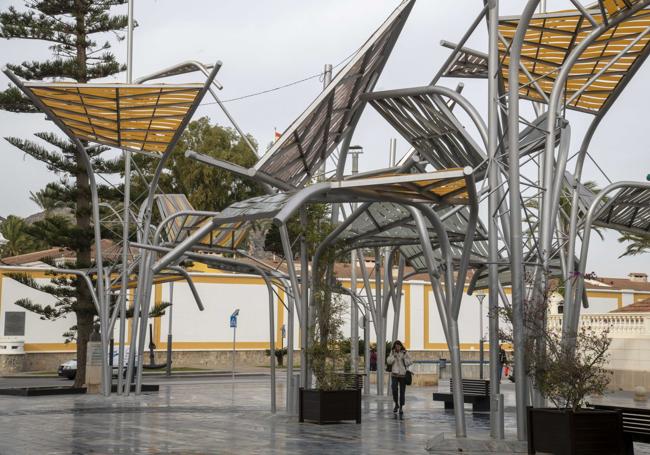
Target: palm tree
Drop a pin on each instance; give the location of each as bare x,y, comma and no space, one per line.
566,202
47,198
638,244
17,241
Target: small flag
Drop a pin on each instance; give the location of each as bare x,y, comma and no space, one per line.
277,135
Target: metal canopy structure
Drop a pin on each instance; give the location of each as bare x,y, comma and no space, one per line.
450,187
579,60
551,37
466,63
141,118
425,120
171,205
614,7
183,219
295,158
628,210
386,224
134,117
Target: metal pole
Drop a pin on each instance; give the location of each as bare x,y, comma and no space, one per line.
381,344
303,290
169,329
451,333
397,302
290,316
355,151
145,277
516,238
480,331
354,314
366,351
125,269
327,79
493,206
234,338
272,346
125,218
129,44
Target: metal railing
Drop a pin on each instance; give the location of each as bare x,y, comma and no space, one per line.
620,325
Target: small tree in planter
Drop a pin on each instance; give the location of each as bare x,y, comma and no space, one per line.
331,400
326,351
566,377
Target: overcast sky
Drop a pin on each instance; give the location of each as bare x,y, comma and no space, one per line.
265,44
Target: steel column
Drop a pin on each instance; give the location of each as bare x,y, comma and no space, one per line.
516,238
493,206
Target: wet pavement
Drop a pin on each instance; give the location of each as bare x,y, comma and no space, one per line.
218,416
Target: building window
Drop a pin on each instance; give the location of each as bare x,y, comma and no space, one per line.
15,323
560,308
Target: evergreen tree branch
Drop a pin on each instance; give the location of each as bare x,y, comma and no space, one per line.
13,100
45,311
52,160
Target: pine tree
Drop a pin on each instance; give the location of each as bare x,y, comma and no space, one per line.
70,27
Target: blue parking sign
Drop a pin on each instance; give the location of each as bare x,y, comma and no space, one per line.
233,321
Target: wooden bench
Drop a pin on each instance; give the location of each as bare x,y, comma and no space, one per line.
353,381
636,424
475,391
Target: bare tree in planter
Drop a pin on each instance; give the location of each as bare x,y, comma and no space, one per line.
566,377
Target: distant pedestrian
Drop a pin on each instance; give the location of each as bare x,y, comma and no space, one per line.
503,361
398,360
373,359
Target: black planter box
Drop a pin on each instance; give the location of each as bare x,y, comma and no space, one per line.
564,432
42,391
330,406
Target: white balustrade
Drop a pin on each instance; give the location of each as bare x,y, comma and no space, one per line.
620,325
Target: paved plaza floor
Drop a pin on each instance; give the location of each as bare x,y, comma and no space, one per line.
208,416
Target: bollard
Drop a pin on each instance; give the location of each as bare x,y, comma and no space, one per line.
93,367
640,393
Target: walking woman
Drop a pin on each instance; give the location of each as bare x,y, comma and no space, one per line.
399,360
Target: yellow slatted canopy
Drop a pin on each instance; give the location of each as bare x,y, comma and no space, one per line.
550,39
448,186
613,7
141,118
227,235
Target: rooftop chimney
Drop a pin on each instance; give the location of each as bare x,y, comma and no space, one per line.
638,277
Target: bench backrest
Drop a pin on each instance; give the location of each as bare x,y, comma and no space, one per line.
473,386
636,421
353,381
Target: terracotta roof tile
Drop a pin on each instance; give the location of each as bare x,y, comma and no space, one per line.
642,306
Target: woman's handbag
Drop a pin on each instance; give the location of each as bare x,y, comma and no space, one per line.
408,379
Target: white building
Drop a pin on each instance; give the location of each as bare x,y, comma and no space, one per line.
204,339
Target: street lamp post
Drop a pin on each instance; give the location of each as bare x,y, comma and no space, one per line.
481,341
